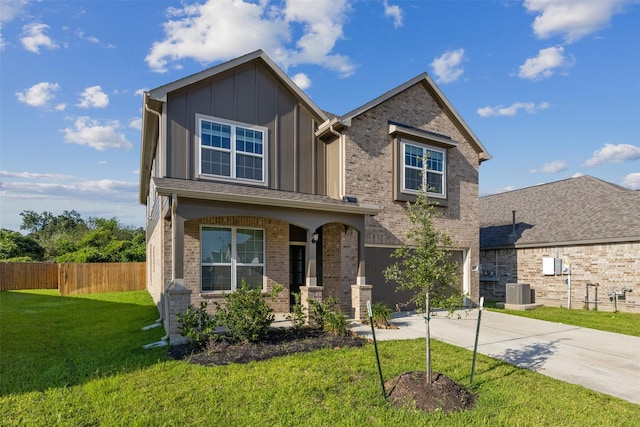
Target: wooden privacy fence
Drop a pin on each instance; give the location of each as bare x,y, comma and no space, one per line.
85,278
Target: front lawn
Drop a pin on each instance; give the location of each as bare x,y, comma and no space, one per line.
79,361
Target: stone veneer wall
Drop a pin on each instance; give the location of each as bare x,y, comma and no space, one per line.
369,173
276,257
614,265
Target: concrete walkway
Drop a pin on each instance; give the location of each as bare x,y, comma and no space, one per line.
602,361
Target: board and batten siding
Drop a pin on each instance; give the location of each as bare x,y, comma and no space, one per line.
252,95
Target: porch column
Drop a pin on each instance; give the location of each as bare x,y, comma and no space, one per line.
177,247
177,241
311,278
360,292
361,280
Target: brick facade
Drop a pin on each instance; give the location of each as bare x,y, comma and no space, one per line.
276,257
613,265
340,263
369,173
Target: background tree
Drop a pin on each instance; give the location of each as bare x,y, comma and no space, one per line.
70,238
424,266
16,247
56,234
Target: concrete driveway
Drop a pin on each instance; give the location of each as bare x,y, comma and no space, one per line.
602,361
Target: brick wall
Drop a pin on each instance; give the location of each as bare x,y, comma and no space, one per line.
276,257
615,265
369,173
340,263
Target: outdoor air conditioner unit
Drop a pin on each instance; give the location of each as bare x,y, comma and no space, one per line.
518,293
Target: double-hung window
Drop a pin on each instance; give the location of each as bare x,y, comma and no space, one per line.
231,256
423,167
231,150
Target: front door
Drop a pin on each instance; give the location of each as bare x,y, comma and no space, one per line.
296,270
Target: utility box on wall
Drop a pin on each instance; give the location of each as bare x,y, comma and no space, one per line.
518,293
551,266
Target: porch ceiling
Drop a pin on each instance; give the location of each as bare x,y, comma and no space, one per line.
204,190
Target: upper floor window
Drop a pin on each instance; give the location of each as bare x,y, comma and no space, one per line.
423,167
231,150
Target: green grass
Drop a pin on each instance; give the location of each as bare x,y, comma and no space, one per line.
78,361
622,323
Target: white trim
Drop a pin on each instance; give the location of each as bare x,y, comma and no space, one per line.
403,188
232,149
233,264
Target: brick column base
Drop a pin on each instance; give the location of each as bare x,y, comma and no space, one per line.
179,300
360,294
310,293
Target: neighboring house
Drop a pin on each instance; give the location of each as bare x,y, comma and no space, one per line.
246,179
582,226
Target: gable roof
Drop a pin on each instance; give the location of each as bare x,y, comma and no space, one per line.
155,98
582,210
425,80
161,92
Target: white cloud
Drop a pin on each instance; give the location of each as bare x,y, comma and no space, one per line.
33,37
611,153
394,12
81,35
512,110
34,175
632,181
554,167
572,19
447,67
9,9
302,80
93,97
551,167
95,135
75,188
39,95
217,30
545,64
136,123
499,190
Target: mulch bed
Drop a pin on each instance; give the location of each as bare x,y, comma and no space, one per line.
278,342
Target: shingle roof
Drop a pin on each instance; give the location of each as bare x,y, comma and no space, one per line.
579,210
209,190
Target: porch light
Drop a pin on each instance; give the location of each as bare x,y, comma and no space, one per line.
314,237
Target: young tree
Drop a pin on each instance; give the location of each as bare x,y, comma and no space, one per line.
424,266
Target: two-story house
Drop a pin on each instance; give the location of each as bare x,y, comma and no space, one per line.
245,179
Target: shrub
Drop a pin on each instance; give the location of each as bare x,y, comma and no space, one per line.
381,313
246,314
297,316
336,323
197,325
327,317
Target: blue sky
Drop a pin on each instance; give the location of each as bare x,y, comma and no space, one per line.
550,87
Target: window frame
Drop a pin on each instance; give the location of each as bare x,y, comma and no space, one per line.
234,263
425,171
232,150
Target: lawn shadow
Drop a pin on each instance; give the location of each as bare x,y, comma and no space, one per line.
52,341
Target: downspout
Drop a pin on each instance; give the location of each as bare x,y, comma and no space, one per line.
343,189
159,116
164,340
